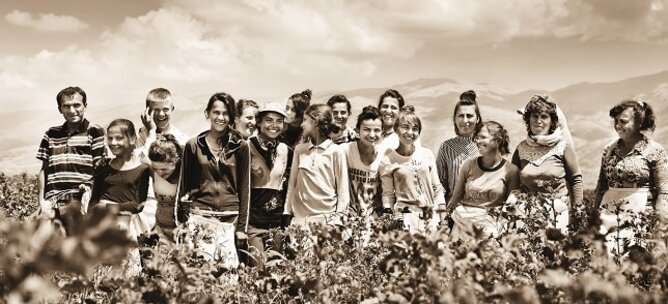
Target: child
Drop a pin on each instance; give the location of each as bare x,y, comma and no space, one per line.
363,158
245,121
341,109
216,183
158,116
409,176
165,155
70,155
294,111
318,185
122,184
270,164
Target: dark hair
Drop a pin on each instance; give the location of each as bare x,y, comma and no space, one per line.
469,95
539,104
227,100
243,104
300,102
369,113
165,149
643,114
391,93
467,99
407,114
69,93
499,134
338,98
323,117
158,94
127,128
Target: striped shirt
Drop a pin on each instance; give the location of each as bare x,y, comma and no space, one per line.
451,155
71,158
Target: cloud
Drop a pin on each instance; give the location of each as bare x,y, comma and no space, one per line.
46,22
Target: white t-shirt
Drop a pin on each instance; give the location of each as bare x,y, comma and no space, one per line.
364,180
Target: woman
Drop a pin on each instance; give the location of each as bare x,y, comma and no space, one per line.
270,168
483,182
245,120
389,104
363,158
454,151
548,164
294,111
214,190
633,175
318,187
409,179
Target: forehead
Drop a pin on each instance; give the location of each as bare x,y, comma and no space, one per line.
466,109
115,131
249,110
390,101
484,131
272,116
72,100
627,113
218,106
340,106
167,103
371,123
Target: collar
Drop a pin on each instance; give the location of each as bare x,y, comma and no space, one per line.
322,146
638,148
201,143
83,126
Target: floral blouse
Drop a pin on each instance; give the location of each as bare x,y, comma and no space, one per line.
646,166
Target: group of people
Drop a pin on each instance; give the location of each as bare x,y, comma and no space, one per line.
259,167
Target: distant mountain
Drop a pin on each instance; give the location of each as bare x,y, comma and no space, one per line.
586,106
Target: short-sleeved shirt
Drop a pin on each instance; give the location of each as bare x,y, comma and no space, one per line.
645,166
128,188
483,187
365,190
71,158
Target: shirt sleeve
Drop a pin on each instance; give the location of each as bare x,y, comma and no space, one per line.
243,184
387,182
342,180
573,175
513,178
43,152
142,193
659,166
602,183
292,181
439,192
97,149
442,168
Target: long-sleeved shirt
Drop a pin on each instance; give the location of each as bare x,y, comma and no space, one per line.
481,187
268,183
451,155
318,181
128,188
220,185
549,170
410,181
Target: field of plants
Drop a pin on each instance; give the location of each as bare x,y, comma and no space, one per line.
528,263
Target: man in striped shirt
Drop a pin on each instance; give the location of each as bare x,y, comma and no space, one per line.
69,154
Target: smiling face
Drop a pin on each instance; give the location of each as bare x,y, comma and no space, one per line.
271,126
539,123
371,132
408,132
218,117
72,109
466,119
389,108
119,144
162,113
164,169
485,142
625,124
246,122
341,114
309,127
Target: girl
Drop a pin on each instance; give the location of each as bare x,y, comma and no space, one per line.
318,186
294,111
363,158
214,190
408,174
122,184
245,121
165,155
270,164
454,151
483,182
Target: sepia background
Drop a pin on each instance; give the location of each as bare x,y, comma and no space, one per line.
589,54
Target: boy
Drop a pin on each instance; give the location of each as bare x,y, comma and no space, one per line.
341,109
157,116
70,154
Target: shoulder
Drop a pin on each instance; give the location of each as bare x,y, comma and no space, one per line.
95,130
469,163
511,168
54,131
654,150
427,153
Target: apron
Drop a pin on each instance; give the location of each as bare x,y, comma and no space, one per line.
466,217
629,202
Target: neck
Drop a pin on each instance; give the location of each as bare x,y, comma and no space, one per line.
366,149
406,150
491,160
317,139
387,130
631,141
123,158
72,127
160,130
263,138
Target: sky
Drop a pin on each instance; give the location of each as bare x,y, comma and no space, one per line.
267,50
